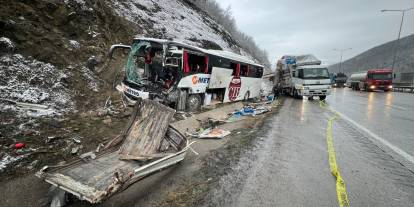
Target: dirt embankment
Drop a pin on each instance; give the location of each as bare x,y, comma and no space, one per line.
185,184
70,39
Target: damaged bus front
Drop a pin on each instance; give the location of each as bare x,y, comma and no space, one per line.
151,71
184,77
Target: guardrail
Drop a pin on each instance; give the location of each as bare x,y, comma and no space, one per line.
401,87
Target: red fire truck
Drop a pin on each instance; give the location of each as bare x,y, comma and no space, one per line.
373,79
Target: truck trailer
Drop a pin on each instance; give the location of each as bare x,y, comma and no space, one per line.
373,79
302,75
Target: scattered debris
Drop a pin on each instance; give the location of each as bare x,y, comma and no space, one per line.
148,120
50,139
33,165
88,154
251,110
210,133
74,150
76,140
19,145
98,149
146,138
181,115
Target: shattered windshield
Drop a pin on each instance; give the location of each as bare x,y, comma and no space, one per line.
138,49
314,73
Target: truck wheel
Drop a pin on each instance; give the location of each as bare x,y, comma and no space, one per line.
322,98
296,94
193,102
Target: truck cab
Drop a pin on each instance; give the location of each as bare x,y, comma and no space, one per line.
311,80
302,75
378,79
373,79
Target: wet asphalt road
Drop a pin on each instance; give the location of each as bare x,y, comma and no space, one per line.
289,165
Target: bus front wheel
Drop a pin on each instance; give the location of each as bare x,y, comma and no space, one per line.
193,102
322,98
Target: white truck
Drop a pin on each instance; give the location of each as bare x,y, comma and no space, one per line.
302,75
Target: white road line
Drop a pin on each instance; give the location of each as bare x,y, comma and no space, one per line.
397,150
395,106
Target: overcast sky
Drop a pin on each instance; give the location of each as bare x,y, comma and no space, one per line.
318,26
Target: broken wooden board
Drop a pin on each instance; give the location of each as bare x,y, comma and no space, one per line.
149,126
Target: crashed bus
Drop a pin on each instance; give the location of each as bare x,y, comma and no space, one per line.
185,77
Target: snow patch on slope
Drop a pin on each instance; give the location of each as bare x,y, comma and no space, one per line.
39,84
176,20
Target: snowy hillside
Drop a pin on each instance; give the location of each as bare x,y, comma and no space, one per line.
381,57
59,55
174,19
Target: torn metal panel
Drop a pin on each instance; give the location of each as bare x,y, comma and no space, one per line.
98,178
147,131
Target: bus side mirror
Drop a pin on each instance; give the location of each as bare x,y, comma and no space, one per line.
115,47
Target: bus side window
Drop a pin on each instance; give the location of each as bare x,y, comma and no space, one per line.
244,70
259,72
233,66
252,72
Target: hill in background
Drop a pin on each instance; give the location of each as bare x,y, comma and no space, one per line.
381,57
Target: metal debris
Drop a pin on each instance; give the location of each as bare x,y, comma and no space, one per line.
88,154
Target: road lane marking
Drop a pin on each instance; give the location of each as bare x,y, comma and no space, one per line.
394,148
340,183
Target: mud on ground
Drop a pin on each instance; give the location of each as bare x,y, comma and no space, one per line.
193,190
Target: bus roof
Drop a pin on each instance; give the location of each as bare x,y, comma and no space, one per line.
220,53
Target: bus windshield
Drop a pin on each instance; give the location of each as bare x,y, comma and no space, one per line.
314,73
144,60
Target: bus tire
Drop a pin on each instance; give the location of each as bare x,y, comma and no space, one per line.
193,102
322,98
246,96
310,98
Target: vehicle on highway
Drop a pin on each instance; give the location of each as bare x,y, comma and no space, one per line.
302,75
373,79
184,77
339,80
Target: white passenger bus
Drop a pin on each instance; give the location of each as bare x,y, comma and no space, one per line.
186,77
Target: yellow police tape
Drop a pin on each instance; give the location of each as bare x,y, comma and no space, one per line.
340,184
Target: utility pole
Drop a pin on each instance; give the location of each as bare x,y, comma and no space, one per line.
399,33
342,53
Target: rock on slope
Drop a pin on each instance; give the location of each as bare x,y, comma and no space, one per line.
381,57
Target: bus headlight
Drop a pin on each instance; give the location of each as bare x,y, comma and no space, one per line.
390,86
372,87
